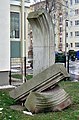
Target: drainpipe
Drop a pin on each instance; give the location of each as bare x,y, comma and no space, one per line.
66,56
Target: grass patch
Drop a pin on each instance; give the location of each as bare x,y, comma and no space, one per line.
29,77
70,113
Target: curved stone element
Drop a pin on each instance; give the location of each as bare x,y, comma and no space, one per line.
43,40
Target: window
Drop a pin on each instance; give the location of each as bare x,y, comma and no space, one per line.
71,34
60,39
70,2
71,12
76,22
76,33
66,34
14,25
61,19
71,44
66,13
60,29
66,23
54,17
76,1
76,11
70,23
66,44
66,3
76,44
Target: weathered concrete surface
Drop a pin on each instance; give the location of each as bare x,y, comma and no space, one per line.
4,78
4,41
55,99
47,78
43,40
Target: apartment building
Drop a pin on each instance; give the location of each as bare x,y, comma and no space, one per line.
66,25
59,25
16,29
57,14
72,28
11,35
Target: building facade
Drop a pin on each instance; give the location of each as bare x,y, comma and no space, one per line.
57,12
4,42
16,30
59,27
72,28
11,35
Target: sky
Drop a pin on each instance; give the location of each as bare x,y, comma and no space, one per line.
35,1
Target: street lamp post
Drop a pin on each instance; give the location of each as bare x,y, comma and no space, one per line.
65,44
23,43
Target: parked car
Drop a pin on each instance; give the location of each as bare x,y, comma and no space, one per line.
72,57
77,55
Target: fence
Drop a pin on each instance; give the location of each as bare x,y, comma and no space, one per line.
15,70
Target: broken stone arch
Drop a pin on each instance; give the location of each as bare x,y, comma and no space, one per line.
43,40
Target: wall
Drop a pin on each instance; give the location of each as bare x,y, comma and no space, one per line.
4,41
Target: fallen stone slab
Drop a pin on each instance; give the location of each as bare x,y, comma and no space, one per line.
55,99
41,80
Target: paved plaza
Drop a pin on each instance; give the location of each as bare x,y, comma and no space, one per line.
74,70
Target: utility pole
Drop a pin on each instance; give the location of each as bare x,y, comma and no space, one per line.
65,44
23,43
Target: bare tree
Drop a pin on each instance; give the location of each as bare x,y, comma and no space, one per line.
50,5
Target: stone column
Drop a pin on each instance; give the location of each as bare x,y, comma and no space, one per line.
43,40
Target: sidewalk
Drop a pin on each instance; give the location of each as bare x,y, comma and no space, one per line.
74,70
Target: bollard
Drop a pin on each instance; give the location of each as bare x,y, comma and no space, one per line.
10,77
68,64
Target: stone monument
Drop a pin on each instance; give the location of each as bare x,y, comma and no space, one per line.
43,40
